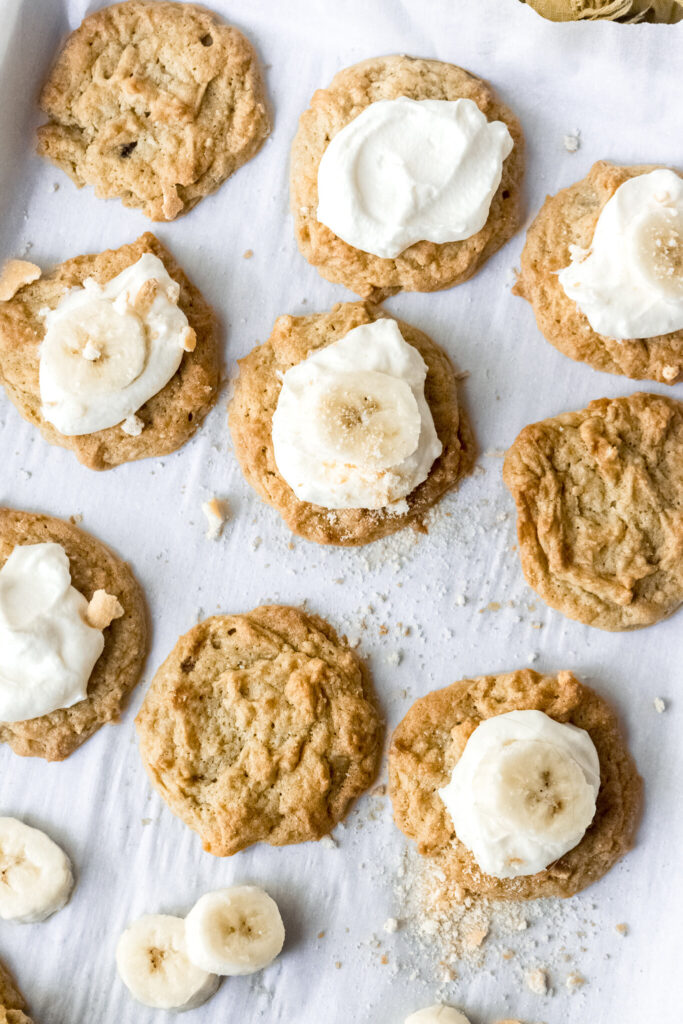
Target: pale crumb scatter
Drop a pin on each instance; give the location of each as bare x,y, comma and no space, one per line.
475,938
216,512
55,186
328,842
532,656
536,981
146,821
76,519
460,600
572,141
133,426
103,609
574,981
391,925
338,965
248,253
394,658
256,543
622,928
189,340
660,705
15,274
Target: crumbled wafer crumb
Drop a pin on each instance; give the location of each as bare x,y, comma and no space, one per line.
103,609
216,512
660,705
391,925
474,938
15,274
248,253
572,141
133,426
536,981
622,928
574,981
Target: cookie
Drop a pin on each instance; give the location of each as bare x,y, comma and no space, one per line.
425,266
567,219
429,741
599,497
154,103
260,728
255,399
11,999
170,417
119,667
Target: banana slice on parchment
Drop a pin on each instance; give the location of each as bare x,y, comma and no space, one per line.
152,960
438,1014
234,931
35,874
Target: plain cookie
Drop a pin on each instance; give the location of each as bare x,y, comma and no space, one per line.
599,497
425,266
155,104
260,728
567,219
170,417
255,399
429,741
119,667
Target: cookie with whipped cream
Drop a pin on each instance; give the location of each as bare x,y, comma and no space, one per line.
154,103
113,355
602,267
73,635
520,784
599,496
260,728
405,174
348,424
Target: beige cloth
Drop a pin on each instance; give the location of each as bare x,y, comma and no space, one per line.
615,10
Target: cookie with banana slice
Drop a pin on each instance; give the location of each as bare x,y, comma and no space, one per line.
599,495
113,356
602,267
348,424
154,103
12,1003
260,728
520,784
73,635
405,174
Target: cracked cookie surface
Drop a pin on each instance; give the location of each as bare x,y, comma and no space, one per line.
255,399
156,103
169,418
430,740
599,497
117,671
566,219
260,728
425,266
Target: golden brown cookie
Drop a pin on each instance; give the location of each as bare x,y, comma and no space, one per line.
255,399
155,103
119,667
599,497
425,266
260,728
11,999
170,417
567,219
431,738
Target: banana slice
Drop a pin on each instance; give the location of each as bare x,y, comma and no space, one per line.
95,350
234,931
152,961
659,250
438,1014
35,874
540,791
367,419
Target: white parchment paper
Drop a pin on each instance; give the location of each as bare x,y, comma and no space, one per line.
620,87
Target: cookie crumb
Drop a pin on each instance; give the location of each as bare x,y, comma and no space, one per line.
572,141
574,981
189,340
659,705
247,254
133,426
15,274
103,609
391,925
536,981
328,842
475,938
622,928
216,512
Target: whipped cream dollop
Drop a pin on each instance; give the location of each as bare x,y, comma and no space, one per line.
523,792
407,170
629,284
109,348
352,428
47,649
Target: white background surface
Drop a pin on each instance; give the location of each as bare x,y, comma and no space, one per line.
618,86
